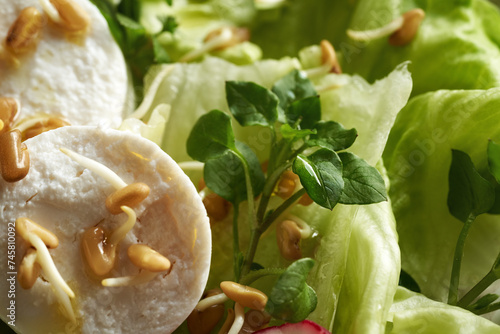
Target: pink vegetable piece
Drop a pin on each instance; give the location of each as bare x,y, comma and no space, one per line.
304,327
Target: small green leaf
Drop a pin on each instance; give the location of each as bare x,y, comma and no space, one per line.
292,134
321,176
251,104
211,136
130,8
225,174
469,193
495,209
292,87
160,55
484,301
109,13
494,159
291,299
405,280
169,24
363,184
169,2
307,111
333,136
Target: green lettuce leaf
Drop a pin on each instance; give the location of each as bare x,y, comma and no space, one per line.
418,157
193,89
457,45
372,272
195,21
415,313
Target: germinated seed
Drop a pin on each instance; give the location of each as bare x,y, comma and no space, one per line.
98,253
131,196
411,22
288,236
25,31
9,109
29,270
244,295
24,226
203,322
148,259
44,125
14,156
73,17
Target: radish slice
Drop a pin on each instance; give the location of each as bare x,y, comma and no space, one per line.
304,327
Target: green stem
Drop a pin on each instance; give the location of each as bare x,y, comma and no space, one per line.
298,151
487,309
282,208
251,250
268,190
236,234
236,239
248,182
262,227
477,289
457,261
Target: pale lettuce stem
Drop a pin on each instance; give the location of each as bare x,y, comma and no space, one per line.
473,293
457,261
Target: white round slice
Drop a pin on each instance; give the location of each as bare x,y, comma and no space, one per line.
67,199
83,81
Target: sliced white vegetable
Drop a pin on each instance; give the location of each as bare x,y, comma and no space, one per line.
68,199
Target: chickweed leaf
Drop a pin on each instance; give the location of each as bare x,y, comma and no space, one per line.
333,136
225,174
292,87
291,299
211,136
292,134
306,111
363,184
251,104
321,175
469,193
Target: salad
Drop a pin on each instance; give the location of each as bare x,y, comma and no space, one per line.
345,152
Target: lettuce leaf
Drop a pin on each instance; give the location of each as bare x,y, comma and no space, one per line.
370,262
415,313
418,157
194,89
372,272
457,45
